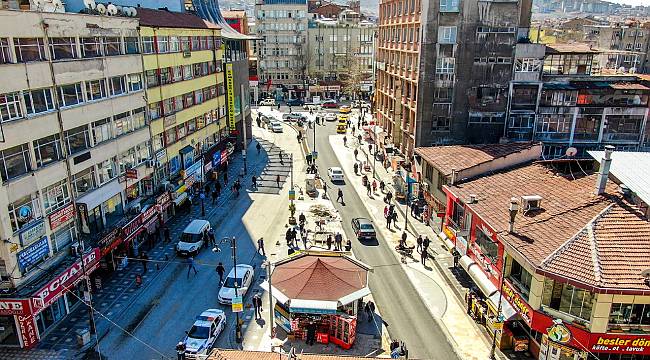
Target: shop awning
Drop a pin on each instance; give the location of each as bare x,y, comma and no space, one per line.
180,198
479,277
506,309
277,294
313,306
448,243
354,296
98,196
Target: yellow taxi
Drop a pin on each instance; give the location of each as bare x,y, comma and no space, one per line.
345,109
341,128
343,117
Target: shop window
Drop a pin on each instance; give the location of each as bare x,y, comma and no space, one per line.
8,331
63,48
131,45
95,220
629,314
23,211
84,181
10,107
95,89
521,278
113,209
38,101
15,162
112,46
71,94
488,247
77,139
48,150
568,299
29,49
91,47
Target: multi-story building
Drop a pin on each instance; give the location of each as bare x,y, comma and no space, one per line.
340,51
443,73
282,57
562,252
628,44
555,99
75,156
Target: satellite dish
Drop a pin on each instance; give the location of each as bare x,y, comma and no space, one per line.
111,9
119,9
571,151
134,12
128,11
90,4
101,8
645,273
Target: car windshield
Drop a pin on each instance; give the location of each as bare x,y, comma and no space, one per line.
367,227
337,172
231,281
190,238
199,332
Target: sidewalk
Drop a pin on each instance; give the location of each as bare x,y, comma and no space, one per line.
434,285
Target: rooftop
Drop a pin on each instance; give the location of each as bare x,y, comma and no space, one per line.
169,19
576,48
631,169
223,354
461,157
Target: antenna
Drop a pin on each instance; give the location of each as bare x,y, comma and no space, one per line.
571,151
101,8
111,9
90,4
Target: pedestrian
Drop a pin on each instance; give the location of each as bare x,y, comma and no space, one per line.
220,270
348,245
225,177
257,304
356,152
425,244
254,181
215,194
290,111
329,242
340,196
374,186
311,333
259,148
423,257
168,237
277,180
302,219
145,259
311,111
260,246
402,242
190,266
389,219
278,106
303,235
356,168
345,140
211,237
386,212
338,241
368,189
456,258
425,211
180,351
259,120
359,138
381,185
353,128
394,217
294,237
217,187
419,241
287,237
281,159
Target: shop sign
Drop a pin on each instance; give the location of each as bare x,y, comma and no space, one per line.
230,96
61,216
148,213
33,253
449,232
169,121
224,156
216,158
207,167
517,302
57,287
27,331
621,344
108,238
132,173
461,245
163,198
192,169
32,232
161,155
133,226
14,307
559,333
237,304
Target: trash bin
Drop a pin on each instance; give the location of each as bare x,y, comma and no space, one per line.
83,337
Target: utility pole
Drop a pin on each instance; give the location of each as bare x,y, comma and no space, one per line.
243,120
233,246
408,198
268,274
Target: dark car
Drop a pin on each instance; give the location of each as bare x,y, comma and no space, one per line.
363,228
295,102
330,104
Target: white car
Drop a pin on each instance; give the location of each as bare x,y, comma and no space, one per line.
276,126
335,173
242,281
201,337
330,117
268,102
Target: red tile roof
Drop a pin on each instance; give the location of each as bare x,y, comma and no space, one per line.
169,19
461,157
596,240
223,354
313,277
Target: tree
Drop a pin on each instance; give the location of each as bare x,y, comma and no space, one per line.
352,77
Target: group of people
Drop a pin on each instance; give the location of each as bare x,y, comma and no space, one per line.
390,215
337,240
291,236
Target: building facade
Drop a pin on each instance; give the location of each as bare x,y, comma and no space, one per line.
629,43
444,69
75,155
282,58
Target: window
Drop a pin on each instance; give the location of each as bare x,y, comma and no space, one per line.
196,43
147,45
38,101
127,160
170,136
198,96
25,205
91,47
56,196
154,110
84,181
10,106
142,152
5,53
568,299
629,314
177,73
445,65
448,5
152,78
165,76
48,150
64,236
187,72
112,46
447,34
188,99
77,139
488,247
123,123
528,65
107,170
95,89
163,44
71,94
135,82
131,45
139,120
14,162
29,49
181,130
204,42
174,44
63,48
521,278
178,103
118,86
102,130
168,106
185,43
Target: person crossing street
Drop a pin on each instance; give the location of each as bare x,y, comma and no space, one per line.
220,270
257,305
190,266
339,198
259,148
260,247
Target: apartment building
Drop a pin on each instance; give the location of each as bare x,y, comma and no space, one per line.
444,69
628,44
74,157
339,50
282,56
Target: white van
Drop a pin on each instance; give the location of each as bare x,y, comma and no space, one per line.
192,239
268,102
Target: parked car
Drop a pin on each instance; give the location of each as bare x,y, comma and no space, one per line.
295,102
276,127
268,102
205,331
192,239
363,229
242,282
311,106
345,109
293,117
335,174
330,117
330,104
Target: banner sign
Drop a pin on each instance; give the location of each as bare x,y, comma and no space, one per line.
14,307
33,254
230,96
61,216
32,232
517,302
27,331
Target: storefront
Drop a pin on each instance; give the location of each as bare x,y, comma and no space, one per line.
164,202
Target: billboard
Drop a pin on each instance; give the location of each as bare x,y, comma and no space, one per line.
230,96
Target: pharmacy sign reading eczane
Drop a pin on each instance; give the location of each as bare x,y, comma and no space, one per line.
230,85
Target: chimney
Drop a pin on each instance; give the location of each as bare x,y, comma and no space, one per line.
513,209
603,172
454,174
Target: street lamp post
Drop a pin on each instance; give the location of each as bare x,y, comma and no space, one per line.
408,196
233,246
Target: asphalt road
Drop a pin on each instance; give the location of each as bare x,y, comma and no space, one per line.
405,314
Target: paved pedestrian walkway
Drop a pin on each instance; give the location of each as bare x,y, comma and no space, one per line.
470,340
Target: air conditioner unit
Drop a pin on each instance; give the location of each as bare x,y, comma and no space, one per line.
75,249
530,202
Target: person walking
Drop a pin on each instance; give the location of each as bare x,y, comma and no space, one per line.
260,246
215,194
220,271
425,247
303,235
190,266
259,148
368,188
168,237
456,258
294,237
356,152
386,212
389,219
340,196
338,241
277,180
211,238
278,106
254,181
257,304
359,138
419,241
382,185
302,219
144,258
353,128
329,242
345,140
374,186
402,242
225,177
217,187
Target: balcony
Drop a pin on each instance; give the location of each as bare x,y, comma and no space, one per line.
552,136
626,137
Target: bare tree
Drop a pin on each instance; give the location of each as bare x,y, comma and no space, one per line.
353,76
